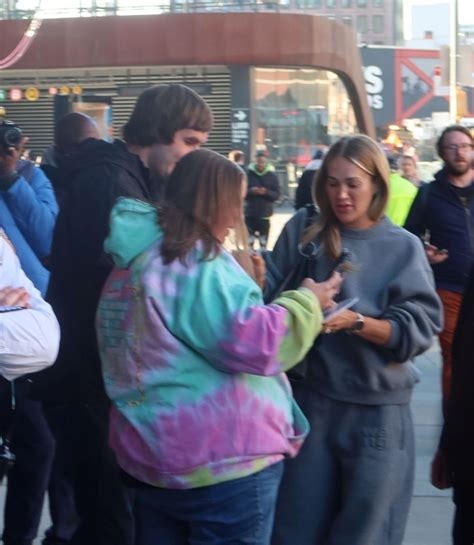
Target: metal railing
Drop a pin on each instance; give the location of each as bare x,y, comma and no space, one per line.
97,8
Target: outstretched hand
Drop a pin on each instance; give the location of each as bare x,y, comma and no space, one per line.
440,475
324,291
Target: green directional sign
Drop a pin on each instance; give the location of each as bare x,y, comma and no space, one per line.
3,95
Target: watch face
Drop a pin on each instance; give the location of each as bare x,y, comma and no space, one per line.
358,325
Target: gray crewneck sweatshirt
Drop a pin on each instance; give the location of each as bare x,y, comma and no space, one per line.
393,281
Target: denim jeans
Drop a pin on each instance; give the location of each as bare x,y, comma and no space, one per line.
238,512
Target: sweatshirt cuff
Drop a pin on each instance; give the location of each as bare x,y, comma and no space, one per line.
396,335
8,180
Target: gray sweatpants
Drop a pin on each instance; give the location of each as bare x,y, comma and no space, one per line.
352,482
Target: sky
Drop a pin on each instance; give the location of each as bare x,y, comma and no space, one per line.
465,8
437,19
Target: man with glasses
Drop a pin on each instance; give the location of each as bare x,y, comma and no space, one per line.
443,216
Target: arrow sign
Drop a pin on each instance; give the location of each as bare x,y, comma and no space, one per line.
240,115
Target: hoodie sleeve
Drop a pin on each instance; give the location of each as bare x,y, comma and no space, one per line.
219,313
415,311
415,221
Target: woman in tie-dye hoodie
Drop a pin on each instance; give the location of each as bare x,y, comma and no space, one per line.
194,362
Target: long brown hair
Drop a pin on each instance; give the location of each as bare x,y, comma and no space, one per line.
366,154
204,190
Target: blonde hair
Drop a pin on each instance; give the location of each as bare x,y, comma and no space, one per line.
366,154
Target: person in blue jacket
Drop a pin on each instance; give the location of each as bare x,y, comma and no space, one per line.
28,211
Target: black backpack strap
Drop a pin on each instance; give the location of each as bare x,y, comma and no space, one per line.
312,211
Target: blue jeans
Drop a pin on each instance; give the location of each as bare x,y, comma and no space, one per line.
238,512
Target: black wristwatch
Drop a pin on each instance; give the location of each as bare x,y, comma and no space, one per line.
358,324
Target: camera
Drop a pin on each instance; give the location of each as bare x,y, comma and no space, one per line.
10,135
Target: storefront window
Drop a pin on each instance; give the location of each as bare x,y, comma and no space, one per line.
298,111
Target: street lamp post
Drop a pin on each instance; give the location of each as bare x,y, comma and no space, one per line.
453,54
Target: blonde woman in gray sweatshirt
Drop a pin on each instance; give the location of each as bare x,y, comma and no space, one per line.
352,481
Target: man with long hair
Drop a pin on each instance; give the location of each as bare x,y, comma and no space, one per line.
168,121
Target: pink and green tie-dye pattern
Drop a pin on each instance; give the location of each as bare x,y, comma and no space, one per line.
192,360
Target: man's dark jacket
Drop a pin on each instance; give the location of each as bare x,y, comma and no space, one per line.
438,208
303,195
98,174
457,439
261,206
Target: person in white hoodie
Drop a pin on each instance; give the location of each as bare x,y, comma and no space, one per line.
29,338
29,342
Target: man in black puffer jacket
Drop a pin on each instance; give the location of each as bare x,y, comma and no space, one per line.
168,122
263,190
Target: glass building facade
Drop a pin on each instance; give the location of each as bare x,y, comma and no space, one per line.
297,111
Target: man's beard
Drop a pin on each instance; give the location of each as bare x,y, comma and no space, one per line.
458,169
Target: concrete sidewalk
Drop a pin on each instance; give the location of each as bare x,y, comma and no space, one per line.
431,510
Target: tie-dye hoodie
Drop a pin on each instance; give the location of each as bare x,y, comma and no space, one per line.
193,360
